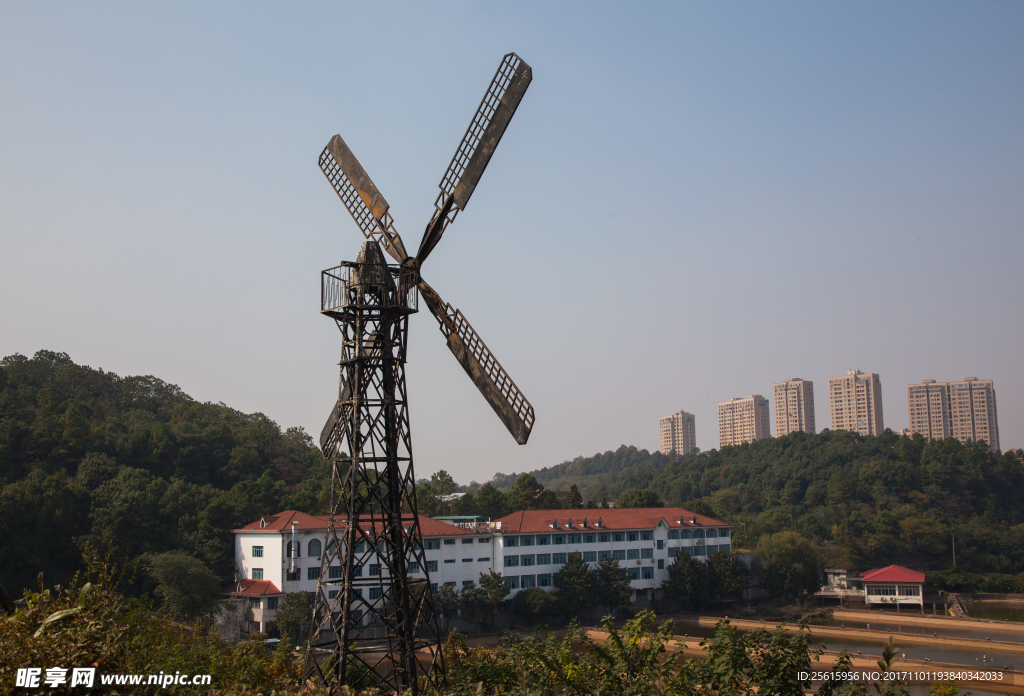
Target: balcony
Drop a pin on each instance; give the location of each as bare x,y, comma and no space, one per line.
349,287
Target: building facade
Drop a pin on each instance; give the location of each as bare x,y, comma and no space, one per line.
855,403
794,406
965,410
531,545
280,554
743,420
678,433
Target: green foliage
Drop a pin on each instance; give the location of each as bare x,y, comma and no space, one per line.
637,498
187,587
573,501
952,580
612,588
294,614
788,565
728,575
689,580
493,591
576,585
135,463
535,603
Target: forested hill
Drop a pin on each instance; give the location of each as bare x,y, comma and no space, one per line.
865,500
135,463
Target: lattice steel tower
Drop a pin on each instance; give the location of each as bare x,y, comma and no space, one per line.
373,617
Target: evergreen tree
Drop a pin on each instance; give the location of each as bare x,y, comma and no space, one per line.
613,588
688,580
576,585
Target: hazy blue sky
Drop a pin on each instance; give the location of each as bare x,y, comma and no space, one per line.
695,200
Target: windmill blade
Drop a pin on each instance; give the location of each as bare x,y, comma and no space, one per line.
480,364
361,197
485,130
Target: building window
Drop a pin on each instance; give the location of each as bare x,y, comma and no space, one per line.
723,533
467,560
527,581
699,551
485,559
334,572
711,534
375,593
449,542
431,566
543,559
604,538
632,554
590,556
634,573
645,536
725,547
312,573
468,583
686,534
647,573
511,541
374,569
360,546
254,602
257,574
661,564
293,549
414,567
601,555
631,536
467,541
558,539
450,584
588,538
511,561
431,544
313,547
357,571
433,587
484,540
646,553
557,559
673,534
544,580
526,541
511,581
698,534
292,574
619,555
527,560
272,602
543,540
449,560
618,536
574,538
331,594
257,552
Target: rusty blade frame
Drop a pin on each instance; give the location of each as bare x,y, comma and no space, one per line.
362,199
478,144
482,367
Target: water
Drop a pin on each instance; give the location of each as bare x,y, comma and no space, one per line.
998,611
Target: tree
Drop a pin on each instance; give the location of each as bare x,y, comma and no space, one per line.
534,603
613,588
472,603
494,589
574,501
443,485
187,587
294,614
446,602
728,575
491,502
688,580
637,498
789,565
576,584
528,494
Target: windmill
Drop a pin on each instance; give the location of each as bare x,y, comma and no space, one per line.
373,618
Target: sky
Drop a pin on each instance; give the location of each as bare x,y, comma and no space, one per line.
693,202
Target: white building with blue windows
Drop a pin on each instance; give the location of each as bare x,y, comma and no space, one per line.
531,546
279,554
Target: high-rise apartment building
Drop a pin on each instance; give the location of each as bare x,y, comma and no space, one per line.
794,406
965,410
743,420
856,403
678,433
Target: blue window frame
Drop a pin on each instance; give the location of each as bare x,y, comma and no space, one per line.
618,536
526,541
543,559
646,553
673,534
590,556
431,566
558,558
634,573
630,536
543,540
574,538
646,536
604,538
511,541
544,580
313,547
527,581
414,567
601,555
619,554
723,533
661,564
647,573
375,593
511,561
334,572
312,573
558,539
431,544
526,559
632,554
374,569
512,581
589,538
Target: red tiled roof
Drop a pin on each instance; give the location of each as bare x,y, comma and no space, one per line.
282,522
893,573
540,521
252,588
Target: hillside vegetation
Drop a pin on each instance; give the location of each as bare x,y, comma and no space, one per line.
866,501
135,464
